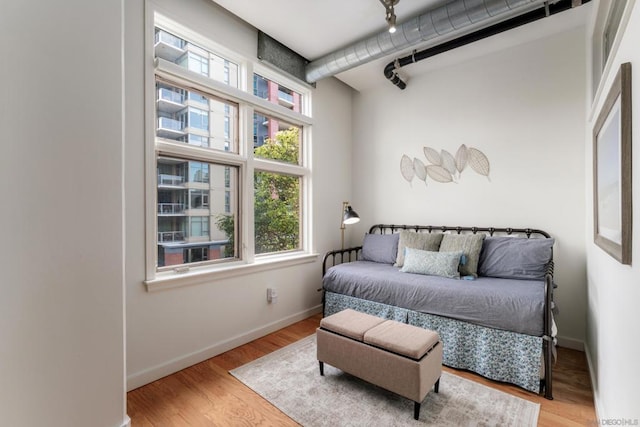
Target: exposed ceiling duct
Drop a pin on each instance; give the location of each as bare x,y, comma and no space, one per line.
439,25
391,71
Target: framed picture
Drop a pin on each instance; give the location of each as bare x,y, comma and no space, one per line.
612,170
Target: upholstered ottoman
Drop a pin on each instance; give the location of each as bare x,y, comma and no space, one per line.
401,358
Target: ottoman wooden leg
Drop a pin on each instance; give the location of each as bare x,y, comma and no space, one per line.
416,410
436,386
321,368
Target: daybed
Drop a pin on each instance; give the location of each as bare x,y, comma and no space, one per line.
488,293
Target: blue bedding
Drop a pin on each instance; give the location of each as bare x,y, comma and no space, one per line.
509,304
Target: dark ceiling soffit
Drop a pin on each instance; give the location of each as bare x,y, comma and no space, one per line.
275,53
534,15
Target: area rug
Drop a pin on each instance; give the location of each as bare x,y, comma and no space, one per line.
290,380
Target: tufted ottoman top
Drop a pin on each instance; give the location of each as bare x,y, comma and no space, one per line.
350,323
400,338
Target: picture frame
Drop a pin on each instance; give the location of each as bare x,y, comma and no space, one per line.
612,204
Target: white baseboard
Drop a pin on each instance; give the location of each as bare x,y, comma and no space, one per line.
592,377
571,343
146,376
127,422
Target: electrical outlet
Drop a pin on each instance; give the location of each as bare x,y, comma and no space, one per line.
272,296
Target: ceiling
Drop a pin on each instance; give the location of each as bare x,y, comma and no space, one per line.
314,28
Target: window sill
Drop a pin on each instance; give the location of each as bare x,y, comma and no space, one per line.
176,280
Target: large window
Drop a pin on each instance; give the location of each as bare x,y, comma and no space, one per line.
230,168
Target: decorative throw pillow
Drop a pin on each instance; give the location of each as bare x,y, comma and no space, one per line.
411,239
470,245
443,264
515,258
381,248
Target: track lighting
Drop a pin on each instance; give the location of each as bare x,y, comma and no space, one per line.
390,16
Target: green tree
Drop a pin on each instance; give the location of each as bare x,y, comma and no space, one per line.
226,223
276,199
277,196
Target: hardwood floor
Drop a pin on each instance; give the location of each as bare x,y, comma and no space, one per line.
207,395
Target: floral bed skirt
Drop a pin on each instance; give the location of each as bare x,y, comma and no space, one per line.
496,354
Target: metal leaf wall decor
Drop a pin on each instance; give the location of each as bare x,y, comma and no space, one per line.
442,166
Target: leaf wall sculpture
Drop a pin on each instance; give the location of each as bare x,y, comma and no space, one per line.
443,166
406,168
432,156
478,161
461,158
420,169
448,162
439,174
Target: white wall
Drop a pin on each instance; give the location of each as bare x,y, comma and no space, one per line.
172,329
524,108
61,167
614,289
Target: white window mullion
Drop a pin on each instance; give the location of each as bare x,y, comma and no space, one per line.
278,167
247,76
248,237
168,148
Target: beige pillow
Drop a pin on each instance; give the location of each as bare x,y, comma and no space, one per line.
422,241
470,245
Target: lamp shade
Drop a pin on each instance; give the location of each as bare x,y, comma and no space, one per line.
350,216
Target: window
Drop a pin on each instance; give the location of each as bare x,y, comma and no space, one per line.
192,201
611,28
195,118
215,145
198,172
278,140
277,212
199,226
198,199
276,93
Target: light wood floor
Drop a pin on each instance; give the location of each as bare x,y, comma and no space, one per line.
207,395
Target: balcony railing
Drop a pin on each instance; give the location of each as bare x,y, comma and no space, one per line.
170,124
170,236
170,208
283,96
166,179
170,39
171,96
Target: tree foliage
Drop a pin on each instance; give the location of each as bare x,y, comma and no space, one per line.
277,196
226,224
276,199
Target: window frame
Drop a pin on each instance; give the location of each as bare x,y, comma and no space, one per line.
602,65
170,73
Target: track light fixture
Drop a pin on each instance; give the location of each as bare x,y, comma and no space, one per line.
390,16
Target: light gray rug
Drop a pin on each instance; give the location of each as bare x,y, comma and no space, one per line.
289,379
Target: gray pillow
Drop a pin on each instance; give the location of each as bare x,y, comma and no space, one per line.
443,264
411,239
470,245
380,248
515,258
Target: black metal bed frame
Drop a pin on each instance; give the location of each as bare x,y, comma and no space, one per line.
353,254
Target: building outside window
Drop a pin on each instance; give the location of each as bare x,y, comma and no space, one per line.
201,158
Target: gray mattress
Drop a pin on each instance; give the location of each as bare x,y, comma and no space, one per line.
509,304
